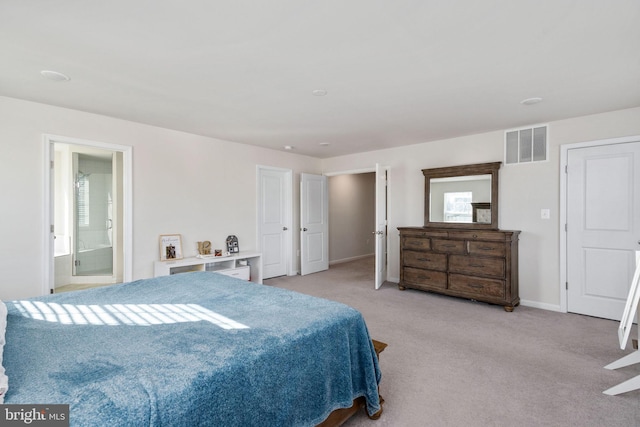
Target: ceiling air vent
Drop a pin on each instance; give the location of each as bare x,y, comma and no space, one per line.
525,145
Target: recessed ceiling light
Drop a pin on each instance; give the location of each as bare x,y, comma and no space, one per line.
530,101
288,147
55,76
324,144
319,92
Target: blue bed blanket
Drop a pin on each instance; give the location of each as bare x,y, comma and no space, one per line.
187,350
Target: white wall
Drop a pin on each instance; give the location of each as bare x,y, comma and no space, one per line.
524,190
202,188
205,188
351,215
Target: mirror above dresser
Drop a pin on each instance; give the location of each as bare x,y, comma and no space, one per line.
462,196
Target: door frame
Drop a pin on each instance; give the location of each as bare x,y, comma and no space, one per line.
288,241
564,154
48,209
371,170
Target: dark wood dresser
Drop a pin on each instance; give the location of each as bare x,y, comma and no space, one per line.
477,264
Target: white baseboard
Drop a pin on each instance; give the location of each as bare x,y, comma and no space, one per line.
541,305
340,261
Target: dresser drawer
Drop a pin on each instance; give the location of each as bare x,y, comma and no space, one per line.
421,232
477,285
487,248
239,272
416,243
427,260
474,265
430,278
479,235
448,246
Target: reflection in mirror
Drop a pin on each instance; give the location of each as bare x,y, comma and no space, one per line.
452,199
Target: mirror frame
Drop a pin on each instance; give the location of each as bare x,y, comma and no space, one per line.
464,170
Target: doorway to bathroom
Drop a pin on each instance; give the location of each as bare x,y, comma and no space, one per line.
89,211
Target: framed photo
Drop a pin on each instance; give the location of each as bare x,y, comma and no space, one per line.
170,247
481,212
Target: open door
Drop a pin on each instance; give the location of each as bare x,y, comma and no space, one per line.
95,196
274,220
381,226
314,224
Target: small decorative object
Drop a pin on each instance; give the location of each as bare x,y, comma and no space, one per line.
484,216
481,212
232,245
218,252
204,248
170,247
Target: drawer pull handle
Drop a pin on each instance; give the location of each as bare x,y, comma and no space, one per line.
485,248
424,259
476,265
424,277
475,285
449,246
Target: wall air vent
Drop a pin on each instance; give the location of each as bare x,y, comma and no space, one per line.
525,145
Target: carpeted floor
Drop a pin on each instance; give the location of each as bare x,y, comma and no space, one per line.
454,362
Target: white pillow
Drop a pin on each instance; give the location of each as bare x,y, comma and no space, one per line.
4,380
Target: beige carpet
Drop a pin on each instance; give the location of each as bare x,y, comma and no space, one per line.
454,362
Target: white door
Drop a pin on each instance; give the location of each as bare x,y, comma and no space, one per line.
381,226
273,220
314,224
603,227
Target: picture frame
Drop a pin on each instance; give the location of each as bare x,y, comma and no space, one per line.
481,213
170,247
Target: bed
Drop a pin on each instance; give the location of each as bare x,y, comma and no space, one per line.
190,349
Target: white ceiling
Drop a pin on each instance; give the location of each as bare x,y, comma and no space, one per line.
396,72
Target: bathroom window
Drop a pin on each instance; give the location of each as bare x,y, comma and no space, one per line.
83,201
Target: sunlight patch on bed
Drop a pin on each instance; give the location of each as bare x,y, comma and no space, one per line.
123,314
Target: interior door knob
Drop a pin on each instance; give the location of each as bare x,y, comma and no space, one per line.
284,228
304,229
